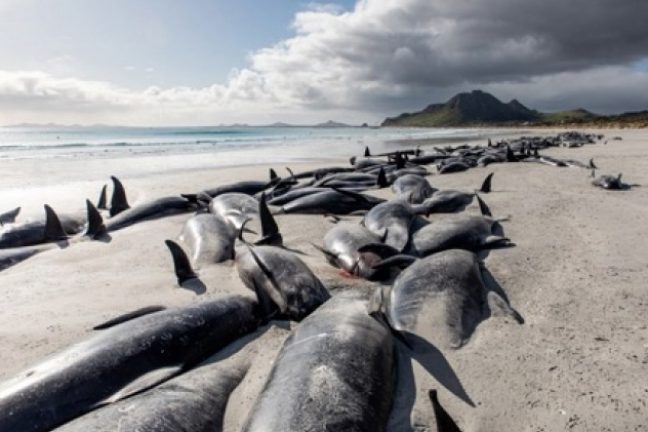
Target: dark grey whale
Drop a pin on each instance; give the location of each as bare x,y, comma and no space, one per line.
193,402
33,233
336,201
442,298
334,373
342,244
122,360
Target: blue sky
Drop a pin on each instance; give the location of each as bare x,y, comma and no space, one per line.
150,62
143,42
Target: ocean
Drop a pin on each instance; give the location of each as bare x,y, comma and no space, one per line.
257,144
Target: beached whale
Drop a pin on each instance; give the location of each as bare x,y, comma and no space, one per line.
194,401
36,232
284,276
156,208
342,244
392,219
268,268
610,182
209,237
335,201
121,360
441,298
235,208
417,188
122,215
462,231
94,230
335,373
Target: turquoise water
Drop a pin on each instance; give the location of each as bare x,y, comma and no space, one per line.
46,142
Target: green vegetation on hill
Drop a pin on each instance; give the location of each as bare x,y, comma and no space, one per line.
479,108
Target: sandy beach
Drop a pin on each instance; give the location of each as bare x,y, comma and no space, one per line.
577,275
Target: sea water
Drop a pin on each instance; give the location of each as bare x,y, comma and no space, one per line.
256,144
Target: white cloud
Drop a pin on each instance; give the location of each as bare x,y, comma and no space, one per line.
382,57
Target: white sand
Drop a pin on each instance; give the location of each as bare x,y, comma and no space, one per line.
578,276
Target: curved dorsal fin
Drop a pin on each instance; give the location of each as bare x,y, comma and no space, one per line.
181,264
53,227
118,203
486,185
381,181
102,204
269,230
96,225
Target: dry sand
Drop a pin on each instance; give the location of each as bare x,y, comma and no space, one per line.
578,276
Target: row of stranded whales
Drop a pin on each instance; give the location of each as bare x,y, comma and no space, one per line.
159,369
194,401
121,360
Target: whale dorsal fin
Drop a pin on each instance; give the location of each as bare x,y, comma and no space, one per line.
269,230
273,175
118,203
96,225
381,181
102,204
181,264
53,228
486,185
9,217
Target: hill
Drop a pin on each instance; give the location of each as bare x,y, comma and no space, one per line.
479,108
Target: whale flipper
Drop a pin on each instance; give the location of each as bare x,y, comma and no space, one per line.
443,419
400,260
118,203
483,207
128,316
53,228
275,294
181,264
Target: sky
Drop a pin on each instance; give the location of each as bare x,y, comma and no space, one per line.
207,62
